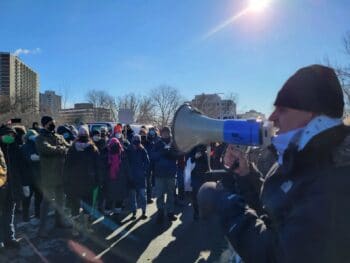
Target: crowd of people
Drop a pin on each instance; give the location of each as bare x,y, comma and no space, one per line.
284,203
82,173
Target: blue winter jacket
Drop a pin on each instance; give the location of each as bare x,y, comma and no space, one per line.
139,166
165,160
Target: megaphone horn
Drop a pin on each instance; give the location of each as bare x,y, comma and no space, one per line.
190,128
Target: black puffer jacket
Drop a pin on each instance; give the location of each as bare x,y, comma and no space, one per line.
81,174
14,162
301,211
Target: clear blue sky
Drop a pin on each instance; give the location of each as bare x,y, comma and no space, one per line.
135,45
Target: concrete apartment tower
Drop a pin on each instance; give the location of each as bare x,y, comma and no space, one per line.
19,85
50,103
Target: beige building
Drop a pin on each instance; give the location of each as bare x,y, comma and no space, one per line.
213,106
252,114
50,103
19,85
86,113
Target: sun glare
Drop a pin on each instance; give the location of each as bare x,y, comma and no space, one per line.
258,5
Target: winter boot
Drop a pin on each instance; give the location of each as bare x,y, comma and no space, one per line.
133,217
160,216
143,217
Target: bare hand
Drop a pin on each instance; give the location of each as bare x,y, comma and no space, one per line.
235,159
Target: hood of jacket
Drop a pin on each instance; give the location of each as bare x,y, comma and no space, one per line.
82,146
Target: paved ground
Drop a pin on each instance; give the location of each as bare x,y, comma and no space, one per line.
119,239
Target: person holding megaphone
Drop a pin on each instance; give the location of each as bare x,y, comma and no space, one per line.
300,210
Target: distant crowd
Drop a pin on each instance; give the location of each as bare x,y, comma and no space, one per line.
93,172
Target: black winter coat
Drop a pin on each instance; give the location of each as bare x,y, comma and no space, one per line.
14,162
80,174
139,167
165,160
301,211
114,190
199,172
31,173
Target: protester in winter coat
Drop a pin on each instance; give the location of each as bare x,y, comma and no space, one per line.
299,212
100,139
31,175
104,133
129,133
165,160
115,168
151,141
81,176
52,149
143,133
139,167
198,175
11,192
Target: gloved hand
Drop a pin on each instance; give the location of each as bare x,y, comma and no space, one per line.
35,158
26,191
213,199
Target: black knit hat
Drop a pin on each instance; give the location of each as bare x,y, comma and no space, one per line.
315,88
45,120
5,130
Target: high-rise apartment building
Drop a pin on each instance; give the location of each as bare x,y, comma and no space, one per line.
19,85
50,102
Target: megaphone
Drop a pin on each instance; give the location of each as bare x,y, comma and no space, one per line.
190,128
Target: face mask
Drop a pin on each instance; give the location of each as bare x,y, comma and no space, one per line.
118,135
66,135
96,138
8,139
152,133
281,142
51,127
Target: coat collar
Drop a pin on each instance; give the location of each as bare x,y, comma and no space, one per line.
318,153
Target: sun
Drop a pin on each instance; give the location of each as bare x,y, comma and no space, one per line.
258,5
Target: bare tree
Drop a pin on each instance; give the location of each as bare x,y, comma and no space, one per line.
101,99
343,71
146,111
166,100
129,101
